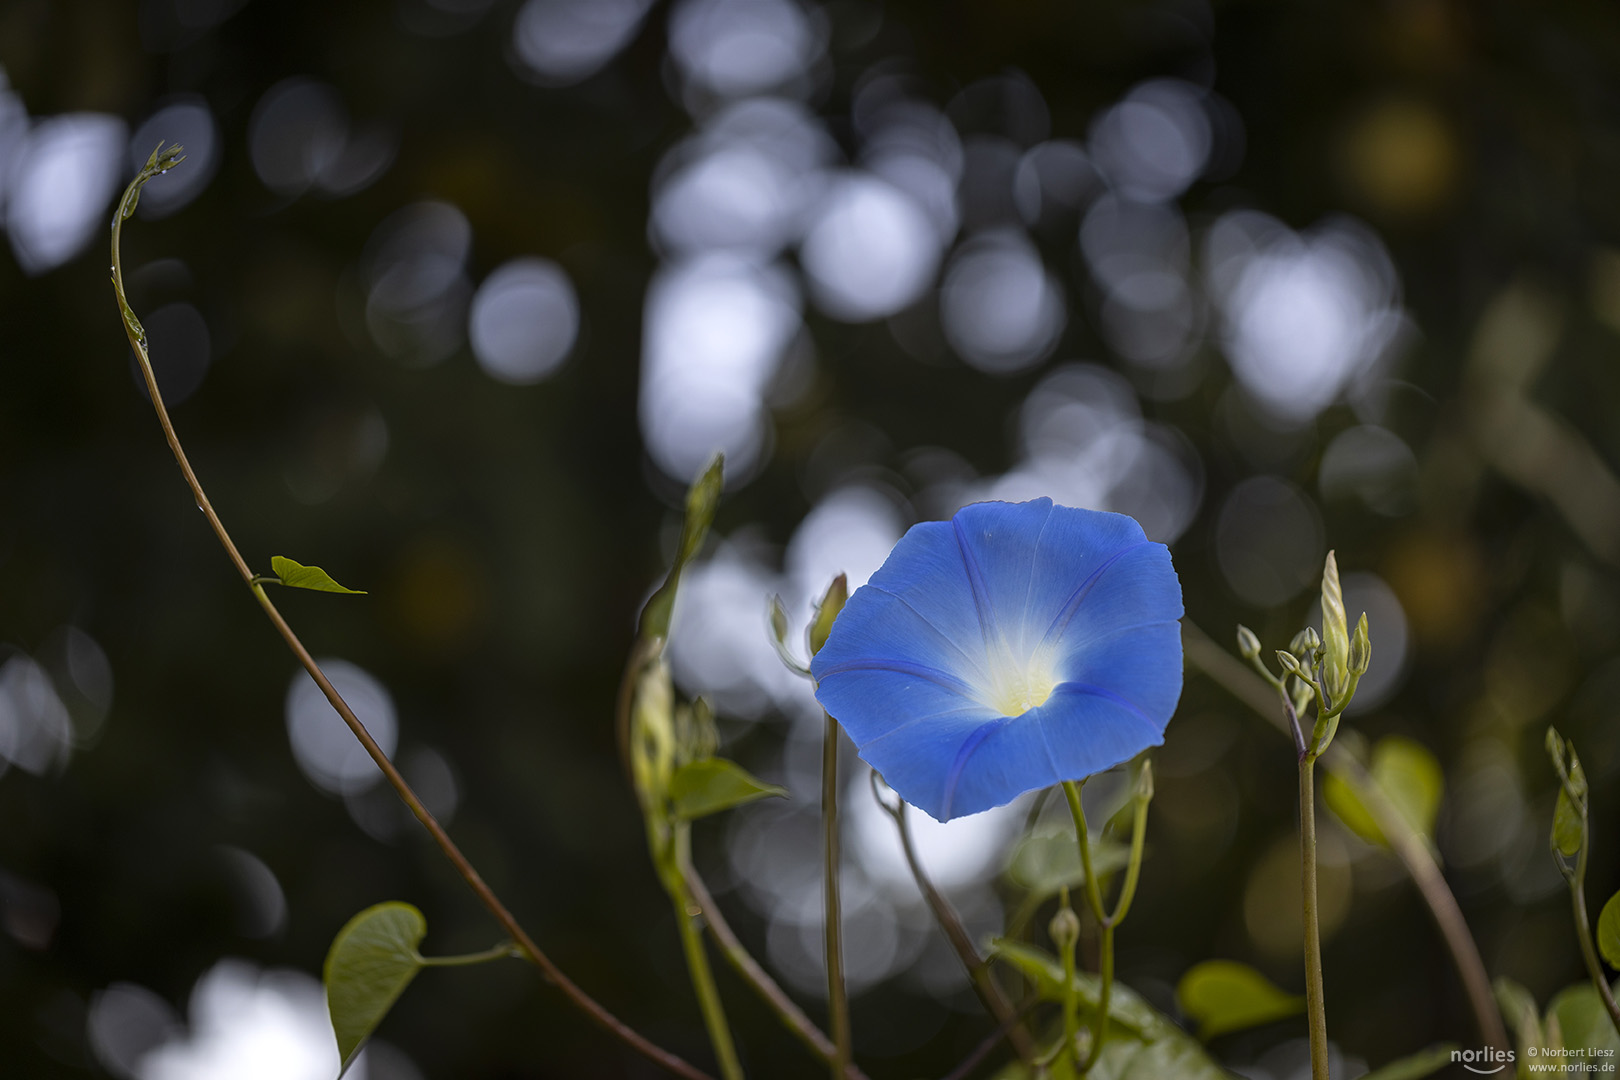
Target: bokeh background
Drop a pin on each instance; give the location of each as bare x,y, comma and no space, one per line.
451,297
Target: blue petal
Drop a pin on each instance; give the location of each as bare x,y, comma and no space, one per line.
885,666
1037,561
908,667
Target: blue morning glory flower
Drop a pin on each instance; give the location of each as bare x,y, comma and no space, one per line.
1015,646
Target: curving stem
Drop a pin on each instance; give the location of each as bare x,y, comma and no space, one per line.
161,161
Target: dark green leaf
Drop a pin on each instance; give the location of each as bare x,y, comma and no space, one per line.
1608,931
372,960
1415,1066
1223,996
1125,1007
298,576
709,785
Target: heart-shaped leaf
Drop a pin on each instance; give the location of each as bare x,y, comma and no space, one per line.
709,785
298,576
1223,996
371,962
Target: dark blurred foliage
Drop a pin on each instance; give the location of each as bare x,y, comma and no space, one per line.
508,534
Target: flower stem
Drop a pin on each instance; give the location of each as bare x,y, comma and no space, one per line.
837,996
687,914
951,923
1105,921
1313,939
486,896
743,963
1583,927
1411,848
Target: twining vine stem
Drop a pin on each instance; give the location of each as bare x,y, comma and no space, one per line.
160,162
1315,1005
1231,674
837,995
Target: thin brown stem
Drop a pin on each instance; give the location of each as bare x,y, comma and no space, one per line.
965,1067
949,921
1409,847
743,963
474,880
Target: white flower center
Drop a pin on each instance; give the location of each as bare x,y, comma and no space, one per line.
1018,686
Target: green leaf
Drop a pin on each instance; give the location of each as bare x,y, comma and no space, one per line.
1582,1018
1409,776
1608,931
1415,1066
1045,864
298,576
709,785
1223,996
371,962
701,500
1125,1007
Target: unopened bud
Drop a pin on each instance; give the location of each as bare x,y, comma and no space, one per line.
831,605
1335,632
1305,643
1064,928
1289,662
1360,648
1248,643
1144,781
652,732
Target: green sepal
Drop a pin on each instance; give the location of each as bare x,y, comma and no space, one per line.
1415,1066
1224,996
371,962
701,500
827,612
710,785
295,575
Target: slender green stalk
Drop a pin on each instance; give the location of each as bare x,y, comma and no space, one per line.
137,340
837,995
1105,923
1583,924
687,914
499,952
1409,847
744,964
1314,1004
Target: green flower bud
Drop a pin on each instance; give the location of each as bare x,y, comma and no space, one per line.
831,605
1064,929
1290,663
1335,633
1306,643
1144,781
779,621
1248,643
1360,648
652,733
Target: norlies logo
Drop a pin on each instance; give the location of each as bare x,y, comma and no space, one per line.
1485,1061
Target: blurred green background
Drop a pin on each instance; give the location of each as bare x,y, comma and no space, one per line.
452,298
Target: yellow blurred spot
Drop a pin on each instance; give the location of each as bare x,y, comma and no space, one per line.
1438,579
438,594
1401,156
1273,899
